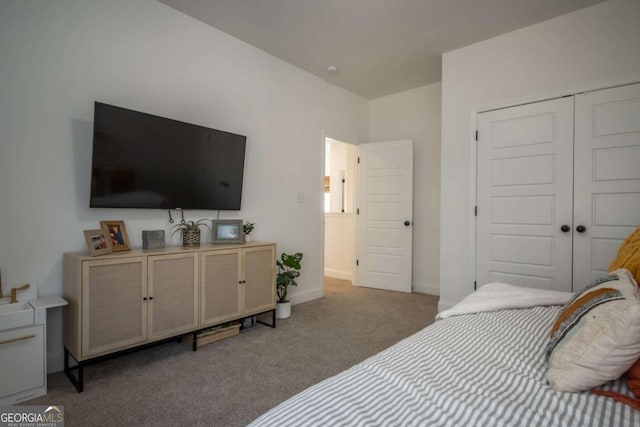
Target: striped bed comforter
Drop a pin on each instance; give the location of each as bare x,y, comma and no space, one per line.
484,369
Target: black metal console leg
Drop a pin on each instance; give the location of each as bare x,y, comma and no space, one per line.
273,319
78,383
194,343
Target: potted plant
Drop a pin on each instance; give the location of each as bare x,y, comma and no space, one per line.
248,227
190,232
288,270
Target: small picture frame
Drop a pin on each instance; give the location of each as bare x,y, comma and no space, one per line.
98,242
227,231
117,233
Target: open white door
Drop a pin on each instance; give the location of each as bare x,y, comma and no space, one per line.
385,215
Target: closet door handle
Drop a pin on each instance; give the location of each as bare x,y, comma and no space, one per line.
581,229
565,228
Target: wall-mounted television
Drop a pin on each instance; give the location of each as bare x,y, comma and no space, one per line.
144,161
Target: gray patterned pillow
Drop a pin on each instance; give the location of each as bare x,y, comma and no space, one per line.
596,336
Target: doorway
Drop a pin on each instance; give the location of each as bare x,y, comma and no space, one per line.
339,215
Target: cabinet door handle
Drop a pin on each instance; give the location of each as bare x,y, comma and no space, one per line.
22,338
150,298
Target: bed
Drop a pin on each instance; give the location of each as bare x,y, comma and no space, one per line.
485,368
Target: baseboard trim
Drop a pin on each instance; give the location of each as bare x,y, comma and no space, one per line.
444,305
301,297
423,288
55,362
338,274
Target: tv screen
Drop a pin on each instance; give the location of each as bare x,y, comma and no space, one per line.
145,161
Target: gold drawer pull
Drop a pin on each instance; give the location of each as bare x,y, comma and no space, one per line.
22,338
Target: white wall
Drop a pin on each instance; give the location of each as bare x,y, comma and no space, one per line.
57,58
588,49
415,114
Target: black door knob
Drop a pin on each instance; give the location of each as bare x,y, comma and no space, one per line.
565,228
581,229
407,223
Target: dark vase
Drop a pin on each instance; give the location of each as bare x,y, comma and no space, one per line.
191,238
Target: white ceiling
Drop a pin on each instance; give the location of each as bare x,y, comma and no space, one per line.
380,46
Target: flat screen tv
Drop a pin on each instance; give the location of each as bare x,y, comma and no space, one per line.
144,161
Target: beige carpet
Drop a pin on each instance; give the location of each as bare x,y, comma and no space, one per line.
231,382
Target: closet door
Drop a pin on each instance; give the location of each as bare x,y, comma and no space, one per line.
607,177
524,195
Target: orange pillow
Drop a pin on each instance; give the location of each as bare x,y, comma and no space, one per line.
633,378
629,258
629,255
633,381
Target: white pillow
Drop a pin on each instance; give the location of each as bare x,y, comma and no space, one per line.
596,336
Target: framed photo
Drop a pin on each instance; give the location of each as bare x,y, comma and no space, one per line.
227,231
98,242
117,234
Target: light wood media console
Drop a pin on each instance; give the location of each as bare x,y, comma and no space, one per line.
127,300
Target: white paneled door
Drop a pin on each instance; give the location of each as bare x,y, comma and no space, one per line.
607,177
557,193
524,195
385,215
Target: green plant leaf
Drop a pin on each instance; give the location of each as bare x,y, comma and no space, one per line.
189,226
288,271
292,261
